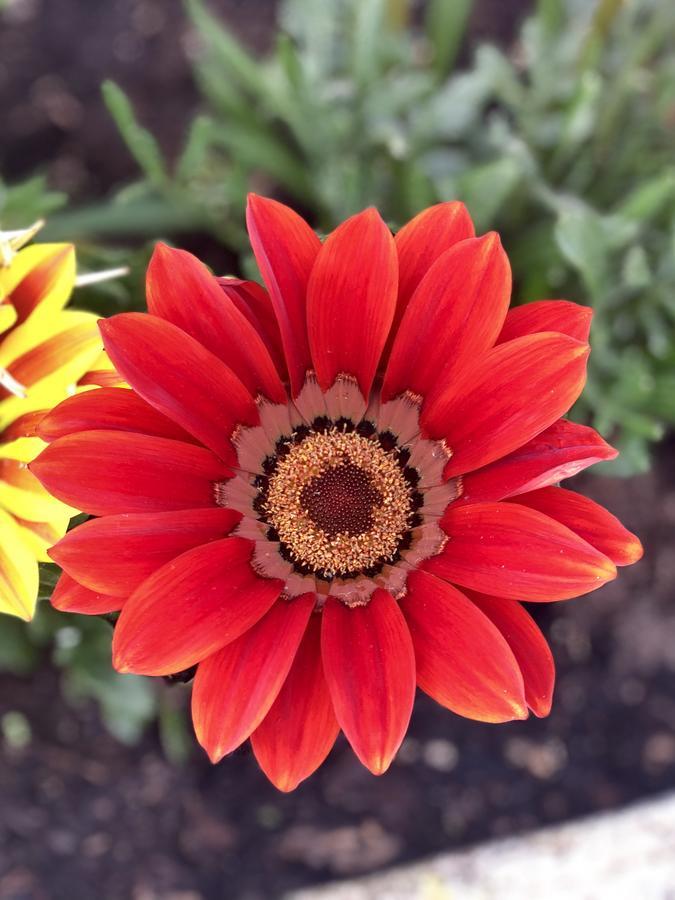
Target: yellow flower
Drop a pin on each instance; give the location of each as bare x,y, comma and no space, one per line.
45,350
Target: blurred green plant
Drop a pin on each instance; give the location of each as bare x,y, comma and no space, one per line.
564,143
24,203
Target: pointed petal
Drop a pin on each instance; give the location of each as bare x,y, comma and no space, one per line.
453,317
528,645
253,302
300,729
25,425
369,664
22,495
589,520
511,551
109,408
104,473
548,315
235,687
180,378
190,608
69,596
463,660
40,536
351,298
40,276
560,451
423,239
19,579
181,290
512,394
285,249
70,351
115,554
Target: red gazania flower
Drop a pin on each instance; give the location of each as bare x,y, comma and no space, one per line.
329,492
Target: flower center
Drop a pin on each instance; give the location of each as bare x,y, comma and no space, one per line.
341,500
338,502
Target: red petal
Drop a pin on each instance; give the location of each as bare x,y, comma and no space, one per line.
529,647
115,554
453,317
190,608
369,664
589,520
298,732
113,408
253,302
285,249
516,391
351,298
69,596
176,375
548,315
422,240
108,472
560,451
181,290
235,688
463,661
511,551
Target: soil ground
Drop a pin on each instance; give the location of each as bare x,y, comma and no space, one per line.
80,809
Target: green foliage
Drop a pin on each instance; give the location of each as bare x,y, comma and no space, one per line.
25,203
565,144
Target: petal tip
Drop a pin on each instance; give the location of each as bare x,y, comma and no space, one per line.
633,551
541,705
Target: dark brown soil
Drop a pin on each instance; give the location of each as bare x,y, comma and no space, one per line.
80,812
54,56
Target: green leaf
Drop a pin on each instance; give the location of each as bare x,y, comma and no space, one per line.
196,148
446,22
369,27
582,240
648,198
140,142
227,50
24,203
486,188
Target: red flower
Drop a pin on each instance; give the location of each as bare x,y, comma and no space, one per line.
333,490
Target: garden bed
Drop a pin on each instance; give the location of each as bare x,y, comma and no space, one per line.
79,808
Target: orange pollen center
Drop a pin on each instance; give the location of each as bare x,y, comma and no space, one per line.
339,503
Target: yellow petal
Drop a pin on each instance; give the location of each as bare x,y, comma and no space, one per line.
23,449
19,577
37,330
102,374
39,277
40,536
22,494
7,316
51,370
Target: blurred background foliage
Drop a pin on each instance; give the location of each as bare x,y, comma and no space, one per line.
563,142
